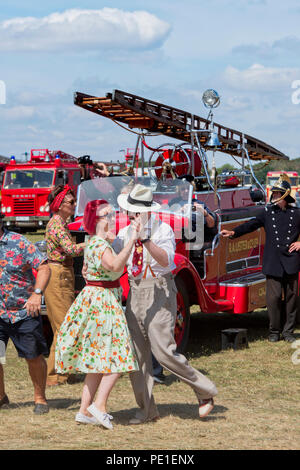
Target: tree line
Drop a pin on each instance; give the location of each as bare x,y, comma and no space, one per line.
261,169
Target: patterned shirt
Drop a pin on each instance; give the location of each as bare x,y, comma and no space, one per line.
59,240
17,259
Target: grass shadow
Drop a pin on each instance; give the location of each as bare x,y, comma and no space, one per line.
54,403
206,330
183,411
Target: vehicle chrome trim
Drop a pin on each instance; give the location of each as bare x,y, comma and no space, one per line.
246,283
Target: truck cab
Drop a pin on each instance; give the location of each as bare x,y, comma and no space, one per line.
26,186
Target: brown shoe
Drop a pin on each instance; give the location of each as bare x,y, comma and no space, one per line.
205,407
4,401
75,379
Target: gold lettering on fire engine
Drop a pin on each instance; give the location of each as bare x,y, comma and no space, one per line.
243,245
262,292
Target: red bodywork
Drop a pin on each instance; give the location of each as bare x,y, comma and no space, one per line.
25,193
216,290
2,169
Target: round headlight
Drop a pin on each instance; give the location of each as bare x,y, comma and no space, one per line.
211,98
8,210
41,209
3,209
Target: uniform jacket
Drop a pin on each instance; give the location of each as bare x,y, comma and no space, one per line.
282,228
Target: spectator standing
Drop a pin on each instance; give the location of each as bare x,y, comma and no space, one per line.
281,259
61,249
20,305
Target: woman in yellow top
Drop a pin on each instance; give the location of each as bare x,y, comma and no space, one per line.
59,294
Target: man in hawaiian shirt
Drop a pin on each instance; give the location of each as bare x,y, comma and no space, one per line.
20,305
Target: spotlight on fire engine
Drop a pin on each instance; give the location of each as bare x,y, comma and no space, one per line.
211,98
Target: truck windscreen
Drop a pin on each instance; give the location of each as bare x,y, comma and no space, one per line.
16,179
271,181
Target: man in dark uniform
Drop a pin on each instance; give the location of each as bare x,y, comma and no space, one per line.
281,259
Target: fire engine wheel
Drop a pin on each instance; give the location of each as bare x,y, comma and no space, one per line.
182,325
168,165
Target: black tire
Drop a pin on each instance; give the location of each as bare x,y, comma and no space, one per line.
182,325
298,312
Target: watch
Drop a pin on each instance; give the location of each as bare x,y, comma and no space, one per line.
145,240
38,291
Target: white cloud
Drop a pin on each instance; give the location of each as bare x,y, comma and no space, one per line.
238,103
84,30
286,46
17,113
260,78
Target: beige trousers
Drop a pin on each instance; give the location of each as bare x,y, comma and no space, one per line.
59,296
151,314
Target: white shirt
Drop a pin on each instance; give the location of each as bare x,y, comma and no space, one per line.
163,237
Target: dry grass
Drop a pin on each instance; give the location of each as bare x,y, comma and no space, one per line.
257,406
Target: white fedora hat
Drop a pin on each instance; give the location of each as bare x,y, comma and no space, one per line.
140,199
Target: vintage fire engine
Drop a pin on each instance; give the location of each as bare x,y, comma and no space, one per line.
272,177
3,164
221,275
26,186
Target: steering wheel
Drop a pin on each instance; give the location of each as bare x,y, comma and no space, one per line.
168,162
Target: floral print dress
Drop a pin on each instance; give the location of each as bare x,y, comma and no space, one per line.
94,336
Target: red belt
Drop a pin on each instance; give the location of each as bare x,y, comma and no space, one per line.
106,284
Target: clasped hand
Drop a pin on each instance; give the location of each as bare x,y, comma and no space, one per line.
195,208
137,228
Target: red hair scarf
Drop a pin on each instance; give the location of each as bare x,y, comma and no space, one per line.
55,205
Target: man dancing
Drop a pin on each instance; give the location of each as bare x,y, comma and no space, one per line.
151,306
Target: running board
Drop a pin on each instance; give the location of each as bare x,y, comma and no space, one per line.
245,281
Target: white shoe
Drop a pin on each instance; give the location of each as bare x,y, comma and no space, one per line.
83,419
102,418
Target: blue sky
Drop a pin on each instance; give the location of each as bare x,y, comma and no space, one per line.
168,51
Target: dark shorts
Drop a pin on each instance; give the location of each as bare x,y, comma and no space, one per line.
27,336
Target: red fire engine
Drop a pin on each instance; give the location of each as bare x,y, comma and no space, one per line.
224,275
26,186
3,165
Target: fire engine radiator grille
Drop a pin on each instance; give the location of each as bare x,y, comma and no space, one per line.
24,207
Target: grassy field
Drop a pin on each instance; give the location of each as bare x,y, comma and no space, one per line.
257,406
